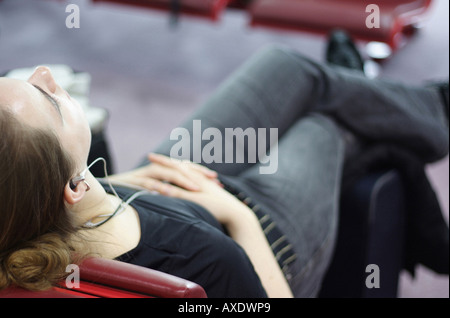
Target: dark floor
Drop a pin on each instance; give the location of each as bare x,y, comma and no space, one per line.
150,76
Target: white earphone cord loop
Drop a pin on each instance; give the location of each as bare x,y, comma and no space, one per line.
121,206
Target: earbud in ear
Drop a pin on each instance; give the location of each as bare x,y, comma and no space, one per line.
72,185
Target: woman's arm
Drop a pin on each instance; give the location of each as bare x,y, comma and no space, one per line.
245,229
240,221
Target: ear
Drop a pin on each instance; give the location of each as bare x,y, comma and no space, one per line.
74,196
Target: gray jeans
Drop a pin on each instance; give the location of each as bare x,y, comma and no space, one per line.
304,100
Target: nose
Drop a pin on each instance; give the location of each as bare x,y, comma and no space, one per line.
43,78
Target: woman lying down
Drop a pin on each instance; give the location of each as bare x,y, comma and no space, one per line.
226,226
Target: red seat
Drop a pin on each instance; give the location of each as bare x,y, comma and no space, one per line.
206,8
396,17
102,278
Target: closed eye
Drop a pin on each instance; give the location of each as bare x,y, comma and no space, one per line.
51,99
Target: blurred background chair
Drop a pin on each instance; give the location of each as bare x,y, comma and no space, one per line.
210,9
398,19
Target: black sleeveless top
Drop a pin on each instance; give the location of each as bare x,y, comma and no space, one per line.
183,239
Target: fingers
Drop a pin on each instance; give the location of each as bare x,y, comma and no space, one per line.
164,188
205,171
175,163
149,184
186,167
163,160
176,177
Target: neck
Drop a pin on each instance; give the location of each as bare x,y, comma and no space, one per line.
96,202
115,237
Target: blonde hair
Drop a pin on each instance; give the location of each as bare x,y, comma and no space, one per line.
35,225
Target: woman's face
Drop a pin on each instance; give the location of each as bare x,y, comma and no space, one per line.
41,103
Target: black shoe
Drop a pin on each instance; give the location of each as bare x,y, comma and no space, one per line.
342,51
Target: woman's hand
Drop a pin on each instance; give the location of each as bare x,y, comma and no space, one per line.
209,193
240,221
198,184
185,180
160,175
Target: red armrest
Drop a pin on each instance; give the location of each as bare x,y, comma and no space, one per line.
138,279
113,279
